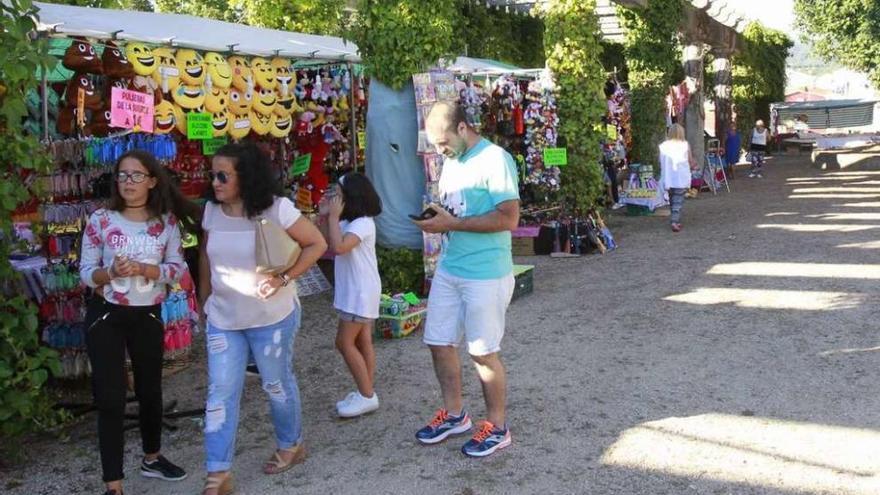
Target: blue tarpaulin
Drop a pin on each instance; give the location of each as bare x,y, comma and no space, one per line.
393,165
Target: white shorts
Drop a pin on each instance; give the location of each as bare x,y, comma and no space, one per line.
473,309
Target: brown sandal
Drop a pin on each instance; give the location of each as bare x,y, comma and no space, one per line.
223,484
277,464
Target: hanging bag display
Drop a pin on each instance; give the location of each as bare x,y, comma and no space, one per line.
276,252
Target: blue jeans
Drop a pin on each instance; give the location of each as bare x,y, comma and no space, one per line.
228,350
676,202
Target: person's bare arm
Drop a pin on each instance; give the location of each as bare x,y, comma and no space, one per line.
505,217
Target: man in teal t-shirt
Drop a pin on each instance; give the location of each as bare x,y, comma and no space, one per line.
474,281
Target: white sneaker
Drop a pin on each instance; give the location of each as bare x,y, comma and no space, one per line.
752,175
617,206
358,405
346,400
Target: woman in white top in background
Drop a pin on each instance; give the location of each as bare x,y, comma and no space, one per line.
249,313
351,234
758,148
676,163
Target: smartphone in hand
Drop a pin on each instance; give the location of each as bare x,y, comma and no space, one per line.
425,215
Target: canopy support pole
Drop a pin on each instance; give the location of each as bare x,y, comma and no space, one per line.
353,119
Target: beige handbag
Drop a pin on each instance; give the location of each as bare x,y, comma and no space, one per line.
276,252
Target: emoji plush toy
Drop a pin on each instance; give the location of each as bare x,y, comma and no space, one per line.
99,125
240,102
66,123
220,121
115,83
264,74
165,118
260,123
144,64
92,99
219,71
265,101
191,66
167,75
284,75
240,126
80,56
242,77
280,126
116,65
216,99
189,97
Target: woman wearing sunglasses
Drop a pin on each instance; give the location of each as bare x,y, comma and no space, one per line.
249,313
130,252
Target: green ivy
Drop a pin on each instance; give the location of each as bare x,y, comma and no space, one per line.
653,58
572,44
401,269
759,74
25,365
399,38
495,34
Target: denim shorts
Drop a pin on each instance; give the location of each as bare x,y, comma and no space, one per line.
353,318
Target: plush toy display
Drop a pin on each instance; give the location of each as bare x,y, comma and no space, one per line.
240,102
240,126
99,124
242,77
280,126
189,97
80,56
165,118
92,99
166,75
141,58
191,66
220,122
265,101
264,73
217,99
260,123
219,71
115,64
284,75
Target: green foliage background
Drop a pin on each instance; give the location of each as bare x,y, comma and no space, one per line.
759,74
653,55
573,49
25,365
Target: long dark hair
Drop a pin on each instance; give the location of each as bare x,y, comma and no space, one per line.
162,199
257,185
360,197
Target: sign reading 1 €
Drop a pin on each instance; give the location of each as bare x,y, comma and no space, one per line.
131,110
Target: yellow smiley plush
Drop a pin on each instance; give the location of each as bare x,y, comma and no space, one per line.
164,118
284,74
220,122
189,97
284,105
182,114
239,126
191,67
260,123
264,74
217,99
167,75
241,72
240,102
280,126
264,101
219,70
141,58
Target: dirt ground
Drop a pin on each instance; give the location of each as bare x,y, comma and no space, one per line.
737,357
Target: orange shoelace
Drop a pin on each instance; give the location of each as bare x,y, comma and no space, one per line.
484,432
439,417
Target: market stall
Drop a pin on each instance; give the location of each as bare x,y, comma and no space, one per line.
137,80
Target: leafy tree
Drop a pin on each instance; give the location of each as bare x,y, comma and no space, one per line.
759,73
142,5
305,16
843,30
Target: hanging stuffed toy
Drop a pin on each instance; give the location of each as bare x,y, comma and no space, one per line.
115,83
240,126
285,105
66,123
181,114
264,73
99,124
219,71
280,127
265,101
217,99
80,56
240,103
165,118
220,122
189,97
304,124
91,98
115,64
284,75
191,66
242,77
167,75
144,64
260,123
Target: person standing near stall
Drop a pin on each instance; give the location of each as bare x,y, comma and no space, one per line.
131,251
474,281
247,312
758,149
676,164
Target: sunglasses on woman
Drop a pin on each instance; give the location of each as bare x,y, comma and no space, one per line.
221,177
135,177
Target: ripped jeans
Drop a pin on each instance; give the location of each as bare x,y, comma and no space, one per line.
272,347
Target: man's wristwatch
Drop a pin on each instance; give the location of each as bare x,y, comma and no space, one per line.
285,279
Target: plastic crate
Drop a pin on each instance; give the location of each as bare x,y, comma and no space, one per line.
395,327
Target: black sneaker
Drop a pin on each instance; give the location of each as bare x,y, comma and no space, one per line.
162,468
252,370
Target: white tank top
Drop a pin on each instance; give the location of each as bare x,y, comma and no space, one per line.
759,137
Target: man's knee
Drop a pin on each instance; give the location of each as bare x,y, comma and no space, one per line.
488,360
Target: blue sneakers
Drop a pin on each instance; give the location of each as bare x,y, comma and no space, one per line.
442,426
487,440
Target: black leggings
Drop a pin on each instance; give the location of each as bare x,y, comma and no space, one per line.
112,330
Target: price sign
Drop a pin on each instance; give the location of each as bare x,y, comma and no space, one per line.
555,157
301,164
198,126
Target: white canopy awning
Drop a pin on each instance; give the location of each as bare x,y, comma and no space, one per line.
190,32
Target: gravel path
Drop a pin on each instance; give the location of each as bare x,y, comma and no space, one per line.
737,357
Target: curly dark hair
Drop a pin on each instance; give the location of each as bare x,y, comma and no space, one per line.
257,185
359,197
162,199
